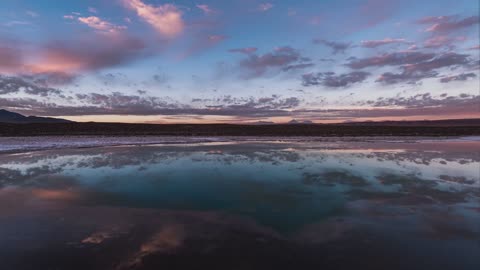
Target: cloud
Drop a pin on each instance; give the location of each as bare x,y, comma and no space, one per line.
422,106
68,17
414,65
423,101
117,103
100,25
446,24
279,59
441,41
382,42
391,59
459,77
409,77
329,79
87,54
265,7
412,73
440,61
59,62
298,66
228,102
205,8
337,47
13,85
247,50
166,18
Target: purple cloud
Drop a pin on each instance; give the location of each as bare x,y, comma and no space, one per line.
383,42
409,77
459,77
337,47
13,85
329,79
391,59
442,41
440,61
282,58
445,24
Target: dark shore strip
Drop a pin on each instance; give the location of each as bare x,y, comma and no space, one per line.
331,130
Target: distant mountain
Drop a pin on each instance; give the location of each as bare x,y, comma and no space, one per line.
11,117
264,123
424,123
296,122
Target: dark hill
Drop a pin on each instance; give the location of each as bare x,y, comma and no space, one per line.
16,118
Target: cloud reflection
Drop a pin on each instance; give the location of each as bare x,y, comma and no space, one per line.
149,206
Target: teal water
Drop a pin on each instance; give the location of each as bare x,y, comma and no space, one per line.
249,205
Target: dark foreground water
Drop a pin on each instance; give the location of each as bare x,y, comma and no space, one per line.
303,205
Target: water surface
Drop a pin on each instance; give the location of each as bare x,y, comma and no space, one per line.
243,205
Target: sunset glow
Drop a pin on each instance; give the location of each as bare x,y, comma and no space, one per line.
152,61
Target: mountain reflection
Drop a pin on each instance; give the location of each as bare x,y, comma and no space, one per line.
213,205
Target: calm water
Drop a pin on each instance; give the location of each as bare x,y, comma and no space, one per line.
243,206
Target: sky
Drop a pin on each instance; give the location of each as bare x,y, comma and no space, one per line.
240,61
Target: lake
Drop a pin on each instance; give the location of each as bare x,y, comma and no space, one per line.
243,205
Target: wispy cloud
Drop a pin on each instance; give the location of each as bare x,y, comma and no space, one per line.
330,79
445,24
280,59
383,42
337,47
205,8
265,7
459,77
101,25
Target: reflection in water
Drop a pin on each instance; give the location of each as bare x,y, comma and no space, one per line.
242,206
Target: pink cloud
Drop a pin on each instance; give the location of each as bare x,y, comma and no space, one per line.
382,42
440,41
166,19
443,24
88,54
100,25
62,61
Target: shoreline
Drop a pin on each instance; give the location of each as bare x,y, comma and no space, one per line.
12,145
